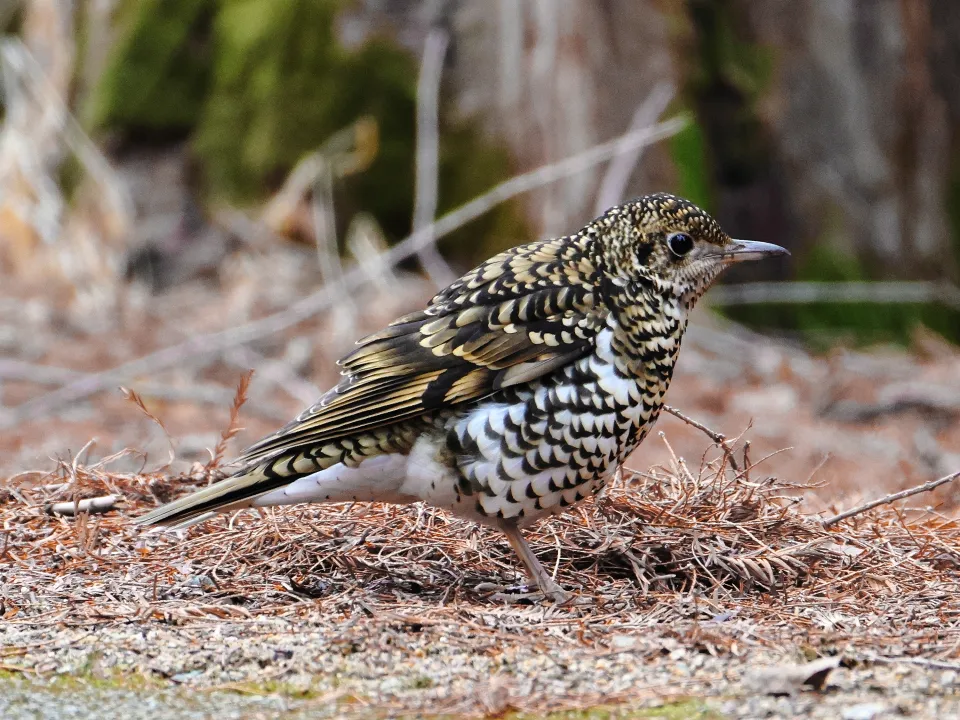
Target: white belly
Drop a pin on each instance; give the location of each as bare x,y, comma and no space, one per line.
385,478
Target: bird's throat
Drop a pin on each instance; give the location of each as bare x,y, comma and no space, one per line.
648,322
645,344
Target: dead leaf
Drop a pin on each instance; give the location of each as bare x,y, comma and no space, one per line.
790,679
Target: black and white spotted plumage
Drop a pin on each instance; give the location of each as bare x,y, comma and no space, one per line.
516,392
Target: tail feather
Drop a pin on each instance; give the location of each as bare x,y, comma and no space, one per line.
232,493
378,478
183,525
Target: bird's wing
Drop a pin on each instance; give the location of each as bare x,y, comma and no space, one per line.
519,316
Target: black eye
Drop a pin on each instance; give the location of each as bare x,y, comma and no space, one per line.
679,243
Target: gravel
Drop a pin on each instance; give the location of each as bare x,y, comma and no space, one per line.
274,668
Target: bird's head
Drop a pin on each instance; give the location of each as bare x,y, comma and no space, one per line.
669,241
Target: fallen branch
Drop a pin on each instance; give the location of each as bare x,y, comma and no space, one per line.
614,183
719,438
207,393
216,343
802,293
93,506
925,398
887,499
428,154
918,661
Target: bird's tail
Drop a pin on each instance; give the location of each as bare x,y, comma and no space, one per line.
286,480
232,493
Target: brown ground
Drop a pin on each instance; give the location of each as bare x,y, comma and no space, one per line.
689,576
865,423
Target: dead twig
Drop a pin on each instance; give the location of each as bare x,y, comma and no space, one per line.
892,497
719,438
93,506
614,183
213,344
135,398
926,398
324,217
234,426
428,153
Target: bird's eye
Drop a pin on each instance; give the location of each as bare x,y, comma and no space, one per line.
679,243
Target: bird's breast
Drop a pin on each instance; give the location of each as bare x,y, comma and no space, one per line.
532,450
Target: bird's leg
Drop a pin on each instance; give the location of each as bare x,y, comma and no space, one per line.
548,586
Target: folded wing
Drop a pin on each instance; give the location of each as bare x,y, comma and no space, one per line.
519,316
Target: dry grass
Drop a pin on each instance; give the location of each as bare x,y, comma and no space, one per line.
689,548
712,558
717,557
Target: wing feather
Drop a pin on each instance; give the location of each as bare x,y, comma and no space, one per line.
521,315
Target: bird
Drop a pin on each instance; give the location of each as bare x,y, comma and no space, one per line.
515,393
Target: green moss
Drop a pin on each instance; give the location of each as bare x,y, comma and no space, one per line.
827,263
87,677
689,154
277,91
71,174
121,692
725,76
11,18
259,84
688,709
682,710
469,166
422,682
114,680
283,85
272,687
158,70
728,58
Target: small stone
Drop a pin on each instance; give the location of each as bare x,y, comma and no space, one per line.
186,676
203,582
864,711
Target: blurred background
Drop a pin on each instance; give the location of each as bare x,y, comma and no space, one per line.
193,188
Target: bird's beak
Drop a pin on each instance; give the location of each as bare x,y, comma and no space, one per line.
742,250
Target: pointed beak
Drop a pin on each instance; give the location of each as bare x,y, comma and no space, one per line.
742,250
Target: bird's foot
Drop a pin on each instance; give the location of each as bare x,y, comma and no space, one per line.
510,594
559,596
548,586
526,593
552,590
